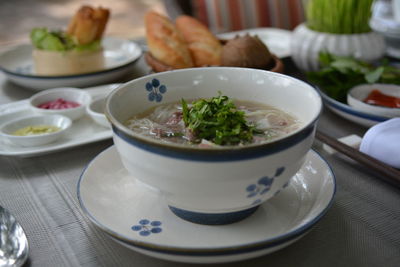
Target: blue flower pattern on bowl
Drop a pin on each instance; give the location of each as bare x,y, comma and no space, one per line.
262,186
156,90
147,227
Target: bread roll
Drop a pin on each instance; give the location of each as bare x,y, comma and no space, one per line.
204,47
165,42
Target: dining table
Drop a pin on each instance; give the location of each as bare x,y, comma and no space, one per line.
361,227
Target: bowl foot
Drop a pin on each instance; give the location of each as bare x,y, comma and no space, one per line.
213,218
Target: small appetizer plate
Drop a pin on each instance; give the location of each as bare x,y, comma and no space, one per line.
357,95
136,215
120,55
277,40
96,111
47,128
82,131
54,99
348,112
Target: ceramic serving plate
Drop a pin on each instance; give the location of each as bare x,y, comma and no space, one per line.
120,55
350,113
277,40
82,131
136,216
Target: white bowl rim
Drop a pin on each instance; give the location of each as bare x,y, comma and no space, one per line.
180,147
31,117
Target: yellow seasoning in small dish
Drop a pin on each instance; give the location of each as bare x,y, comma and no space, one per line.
36,130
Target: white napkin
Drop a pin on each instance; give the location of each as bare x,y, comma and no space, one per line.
382,141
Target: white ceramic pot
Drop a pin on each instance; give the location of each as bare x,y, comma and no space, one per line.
214,185
306,45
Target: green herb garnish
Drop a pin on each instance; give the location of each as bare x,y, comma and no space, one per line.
217,120
44,39
338,16
339,74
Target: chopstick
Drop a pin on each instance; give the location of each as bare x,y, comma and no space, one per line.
386,172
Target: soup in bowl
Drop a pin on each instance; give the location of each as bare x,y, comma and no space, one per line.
216,142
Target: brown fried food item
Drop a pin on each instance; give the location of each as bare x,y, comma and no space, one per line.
204,47
165,42
88,24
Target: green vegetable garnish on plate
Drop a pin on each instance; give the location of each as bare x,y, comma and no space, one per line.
44,39
217,120
339,74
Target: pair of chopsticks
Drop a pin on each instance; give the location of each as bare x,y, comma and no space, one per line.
385,172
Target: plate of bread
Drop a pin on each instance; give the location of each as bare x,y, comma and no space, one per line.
78,56
187,43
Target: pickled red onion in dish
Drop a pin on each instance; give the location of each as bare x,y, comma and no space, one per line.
59,103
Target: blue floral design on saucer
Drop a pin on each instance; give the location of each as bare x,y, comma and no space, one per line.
156,90
147,227
262,186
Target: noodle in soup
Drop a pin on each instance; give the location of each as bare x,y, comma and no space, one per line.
166,124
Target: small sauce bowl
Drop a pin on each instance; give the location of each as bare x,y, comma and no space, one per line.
96,111
8,129
357,95
69,94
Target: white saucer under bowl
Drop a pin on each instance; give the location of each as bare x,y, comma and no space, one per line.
136,216
120,55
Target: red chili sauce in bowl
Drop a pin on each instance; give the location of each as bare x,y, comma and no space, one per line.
377,98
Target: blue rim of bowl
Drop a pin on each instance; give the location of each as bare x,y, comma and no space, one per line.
228,153
349,110
221,155
9,72
218,251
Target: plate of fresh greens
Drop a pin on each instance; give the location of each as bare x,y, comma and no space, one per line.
338,75
119,56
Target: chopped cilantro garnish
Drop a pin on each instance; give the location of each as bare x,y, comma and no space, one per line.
217,120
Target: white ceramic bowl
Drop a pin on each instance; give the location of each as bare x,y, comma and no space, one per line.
306,45
96,111
10,127
67,93
357,94
211,185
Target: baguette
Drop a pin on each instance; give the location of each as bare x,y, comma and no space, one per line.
204,47
165,42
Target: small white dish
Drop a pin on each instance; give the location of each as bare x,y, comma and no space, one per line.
96,110
363,118
62,122
136,215
82,131
357,95
120,55
76,95
277,40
